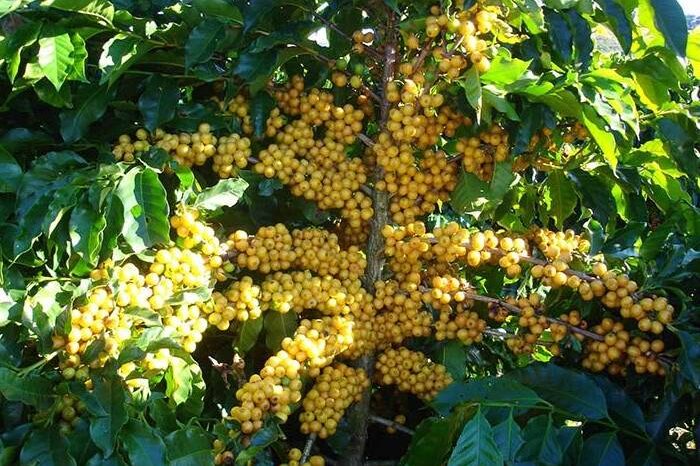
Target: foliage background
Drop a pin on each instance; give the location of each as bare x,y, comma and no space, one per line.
76,74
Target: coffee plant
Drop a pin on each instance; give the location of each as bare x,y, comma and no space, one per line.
349,232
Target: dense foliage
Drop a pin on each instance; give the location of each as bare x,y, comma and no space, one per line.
304,232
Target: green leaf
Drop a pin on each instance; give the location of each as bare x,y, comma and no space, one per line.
670,20
80,54
618,19
10,172
8,6
118,54
564,388
32,390
453,356
97,10
601,449
145,209
248,334
258,442
23,37
55,57
202,41
583,43
46,447
500,103
595,194
85,230
143,446
601,134
158,101
692,51
279,326
472,90
224,193
559,35
181,377
219,8
499,389
505,70
689,359
107,407
433,440
558,197
622,407
261,105
47,93
475,197
508,437
91,105
476,445
541,444
189,447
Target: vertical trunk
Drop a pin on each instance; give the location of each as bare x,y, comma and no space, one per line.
359,417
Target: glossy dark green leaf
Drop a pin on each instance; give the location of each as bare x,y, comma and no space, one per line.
558,197
158,101
689,359
500,389
56,98
261,439
476,445
33,390
224,193
100,11
46,447
260,107
540,442
202,41
602,449
118,54
472,90
23,37
145,205
618,19
279,326
221,8
248,334
670,19
99,460
475,197
508,437
644,455
560,35
568,390
453,356
143,445
55,57
433,440
91,104
107,407
621,406
190,446
85,230
10,172
595,194
583,42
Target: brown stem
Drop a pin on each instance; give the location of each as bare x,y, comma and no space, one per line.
253,160
390,423
355,453
365,140
307,448
516,310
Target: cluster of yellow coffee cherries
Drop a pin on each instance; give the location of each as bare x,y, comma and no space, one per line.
294,459
412,372
278,385
334,390
480,153
275,248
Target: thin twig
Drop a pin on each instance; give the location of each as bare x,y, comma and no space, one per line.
375,54
390,423
516,310
366,189
366,140
307,448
